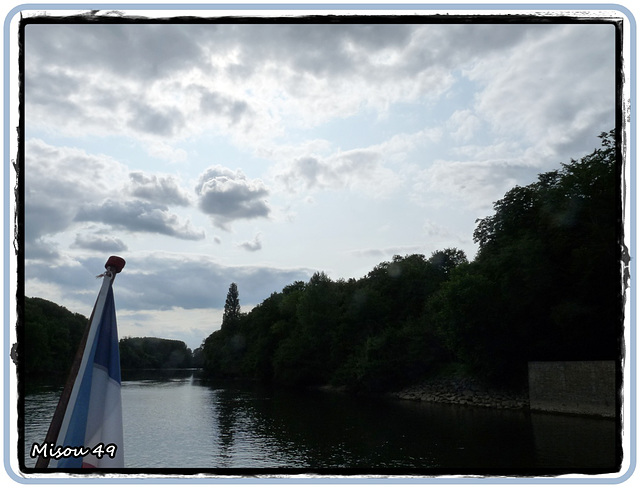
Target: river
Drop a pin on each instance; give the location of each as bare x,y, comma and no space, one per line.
175,422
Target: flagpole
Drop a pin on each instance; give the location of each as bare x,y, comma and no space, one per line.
113,266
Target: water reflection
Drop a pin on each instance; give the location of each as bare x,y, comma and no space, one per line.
225,416
569,442
177,422
333,431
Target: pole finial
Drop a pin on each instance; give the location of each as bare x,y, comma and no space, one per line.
115,262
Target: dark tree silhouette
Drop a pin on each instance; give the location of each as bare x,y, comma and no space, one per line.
231,316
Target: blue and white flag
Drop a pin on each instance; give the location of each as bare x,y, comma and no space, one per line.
92,423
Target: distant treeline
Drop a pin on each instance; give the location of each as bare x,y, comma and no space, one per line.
154,353
546,284
52,335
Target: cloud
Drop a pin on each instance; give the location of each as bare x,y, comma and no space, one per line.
280,74
53,88
308,169
537,102
323,50
43,250
163,281
58,180
109,78
255,82
147,117
133,51
138,216
160,149
223,105
375,170
463,125
159,282
159,189
252,246
477,183
99,242
227,196
66,186
387,252
549,100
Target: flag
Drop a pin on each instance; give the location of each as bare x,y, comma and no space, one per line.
92,423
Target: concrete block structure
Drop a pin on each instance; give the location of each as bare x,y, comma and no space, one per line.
576,387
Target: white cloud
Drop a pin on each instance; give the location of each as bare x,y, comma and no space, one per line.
374,170
227,195
161,150
163,189
278,75
254,245
59,181
463,125
549,88
253,82
99,242
149,117
138,216
475,183
67,188
388,252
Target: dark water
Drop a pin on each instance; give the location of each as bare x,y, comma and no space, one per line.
178,423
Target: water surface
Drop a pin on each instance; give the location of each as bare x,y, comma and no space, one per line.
176,422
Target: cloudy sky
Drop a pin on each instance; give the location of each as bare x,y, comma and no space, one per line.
206,154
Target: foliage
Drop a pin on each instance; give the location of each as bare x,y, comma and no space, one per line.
545,285
52,335
231,315
326,331
51,338
154,353
546,279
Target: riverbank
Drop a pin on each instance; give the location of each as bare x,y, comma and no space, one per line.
463,391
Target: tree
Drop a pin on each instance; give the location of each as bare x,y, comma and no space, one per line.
545,285
231,316
448,259
153,353
551,257
51,337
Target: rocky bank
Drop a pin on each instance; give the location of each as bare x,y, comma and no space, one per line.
463,391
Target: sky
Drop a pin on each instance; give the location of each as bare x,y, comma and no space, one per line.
206,154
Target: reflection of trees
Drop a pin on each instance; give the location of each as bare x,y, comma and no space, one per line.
326,431
568,441
226,405
263,428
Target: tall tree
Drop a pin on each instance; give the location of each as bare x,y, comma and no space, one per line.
231,315
546,283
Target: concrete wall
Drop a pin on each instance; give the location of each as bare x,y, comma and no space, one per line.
579,387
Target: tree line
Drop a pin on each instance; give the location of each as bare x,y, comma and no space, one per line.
154,353
545,284
52,335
